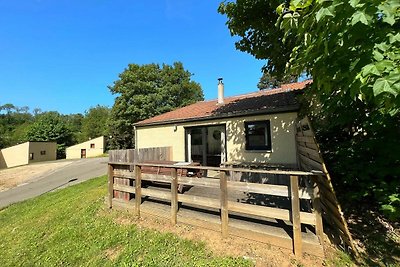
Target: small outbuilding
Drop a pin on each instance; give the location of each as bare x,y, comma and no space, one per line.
26,153
92,148
258,127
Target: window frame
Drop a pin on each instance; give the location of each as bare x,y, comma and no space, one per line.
42,152
268,146
92,145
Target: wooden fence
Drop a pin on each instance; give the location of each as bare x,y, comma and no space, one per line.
169,175
311,159
134,156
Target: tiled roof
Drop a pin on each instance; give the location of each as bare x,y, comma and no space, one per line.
263,101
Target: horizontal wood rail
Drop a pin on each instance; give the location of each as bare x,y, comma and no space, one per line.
297,173
133,172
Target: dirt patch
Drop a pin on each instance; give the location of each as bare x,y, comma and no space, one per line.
260,253
113,253
13,177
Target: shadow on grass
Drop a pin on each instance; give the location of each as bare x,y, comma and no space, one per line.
377,239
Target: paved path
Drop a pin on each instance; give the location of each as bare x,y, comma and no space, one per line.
76,172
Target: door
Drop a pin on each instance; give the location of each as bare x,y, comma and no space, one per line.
206,144
83,153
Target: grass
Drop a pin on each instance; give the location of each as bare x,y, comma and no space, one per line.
72,227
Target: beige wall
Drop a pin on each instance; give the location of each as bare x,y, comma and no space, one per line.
2,162
19,154
15,155
282,138
42,151
74,152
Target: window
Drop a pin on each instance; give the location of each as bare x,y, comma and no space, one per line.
258,135
30,156
196,135
91,145
43,152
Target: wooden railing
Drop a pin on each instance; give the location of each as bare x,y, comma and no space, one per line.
133,171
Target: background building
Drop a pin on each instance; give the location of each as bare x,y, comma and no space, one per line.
26,153
92,148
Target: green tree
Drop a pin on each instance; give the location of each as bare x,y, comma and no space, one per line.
351,50
13,123
51,126
74,124
268,81
144,91
254,23
95,122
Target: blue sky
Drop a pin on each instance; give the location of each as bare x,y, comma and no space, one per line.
61,55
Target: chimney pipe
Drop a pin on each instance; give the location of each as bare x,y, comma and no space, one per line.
220,91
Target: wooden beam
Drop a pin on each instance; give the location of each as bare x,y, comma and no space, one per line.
267,189
312,163
110,185
156,177
174,196
138,192
124,188
269,212
224,203
297,242
123,173
306,150
200,201
204,182
156,193
297,173
319,228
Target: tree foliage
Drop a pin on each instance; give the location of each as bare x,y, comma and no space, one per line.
268,81
348,46
13,124
50,126
351,50
252,21
95,122
144,91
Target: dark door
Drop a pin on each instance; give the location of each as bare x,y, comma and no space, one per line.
83,153
206,144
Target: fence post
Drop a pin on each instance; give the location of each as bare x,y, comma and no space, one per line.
319,229
110,185
138,189
294,190
224,203
174,195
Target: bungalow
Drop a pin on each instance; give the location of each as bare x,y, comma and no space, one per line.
92,148
26,153
255,127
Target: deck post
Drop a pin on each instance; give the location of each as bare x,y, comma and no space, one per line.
138,189
110,185
224,203
174,196
319,229
295,200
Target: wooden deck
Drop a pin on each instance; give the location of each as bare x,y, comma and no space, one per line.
265,230
272,206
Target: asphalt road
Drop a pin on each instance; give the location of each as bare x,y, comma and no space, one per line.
76,172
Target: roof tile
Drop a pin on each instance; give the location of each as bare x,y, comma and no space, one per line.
263,100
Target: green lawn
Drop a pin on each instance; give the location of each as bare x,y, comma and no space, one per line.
69,228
